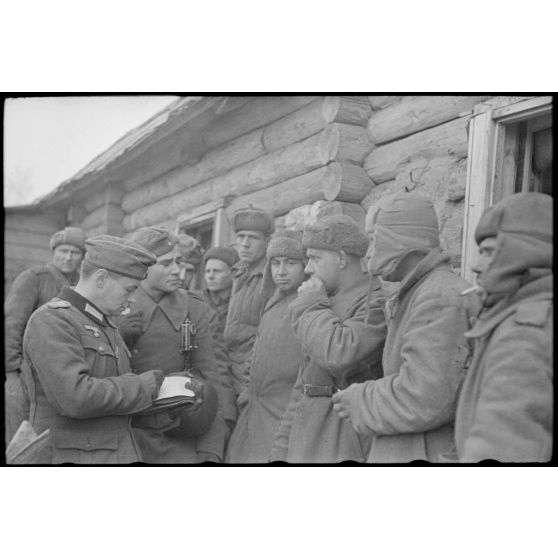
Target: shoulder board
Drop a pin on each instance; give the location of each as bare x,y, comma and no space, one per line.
58,304
533,313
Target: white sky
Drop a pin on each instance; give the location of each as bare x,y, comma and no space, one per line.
48,139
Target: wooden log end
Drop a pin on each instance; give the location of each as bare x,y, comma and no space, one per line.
347,183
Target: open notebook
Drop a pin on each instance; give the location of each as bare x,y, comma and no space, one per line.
176,391
175,388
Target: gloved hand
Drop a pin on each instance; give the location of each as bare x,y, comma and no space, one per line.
159,376
204,456
131,325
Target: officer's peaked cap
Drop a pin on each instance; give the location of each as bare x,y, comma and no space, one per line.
119,255
158,240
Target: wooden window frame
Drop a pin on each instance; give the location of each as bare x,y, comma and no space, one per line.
212,212
490,161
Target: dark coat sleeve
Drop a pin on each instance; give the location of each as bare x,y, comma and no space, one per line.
65,374
204,359
513,419
226,390
21,301
335,343
422,395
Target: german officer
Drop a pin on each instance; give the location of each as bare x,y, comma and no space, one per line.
153,335
32,289
76,367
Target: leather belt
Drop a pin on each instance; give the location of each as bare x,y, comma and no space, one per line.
318,391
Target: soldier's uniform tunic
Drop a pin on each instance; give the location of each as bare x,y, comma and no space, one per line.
159,347
30,289
77,373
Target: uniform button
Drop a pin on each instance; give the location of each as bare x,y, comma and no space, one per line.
135,351
101,349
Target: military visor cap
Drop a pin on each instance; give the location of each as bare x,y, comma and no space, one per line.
158,240
119,255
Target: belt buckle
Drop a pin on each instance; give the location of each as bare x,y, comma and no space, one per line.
305,389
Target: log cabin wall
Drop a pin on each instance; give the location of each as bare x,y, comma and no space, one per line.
279,153
27,234
421,143
301,157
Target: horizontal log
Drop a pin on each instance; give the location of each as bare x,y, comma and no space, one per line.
215,163
281,198
111,193
27,239
299,125
37,223
347,183
303,123
385,162
96,230
96,217
276,167
106,214
185,147
36,254
380,102
254,114
416,113
314,117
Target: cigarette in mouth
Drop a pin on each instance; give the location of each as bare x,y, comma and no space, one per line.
470,290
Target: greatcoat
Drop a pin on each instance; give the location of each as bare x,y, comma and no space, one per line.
411,410
273,372
342,340
505,409
77,373
219,303
158,346
243,318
